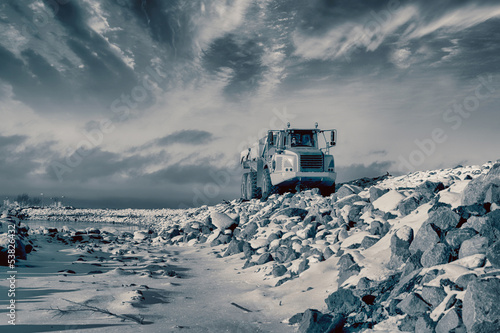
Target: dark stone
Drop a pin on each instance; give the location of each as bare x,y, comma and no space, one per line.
480,311
314,321
247,250
429,189
368,299
443,218
349,200
235,247
463,280
449,322
407,324
413,263
264,222
424,324
274,235
491,228
328,252
376,228
431,275
467,211
393,309
400,246
303,265
448,283
347,268
296,318
248,263
450,302
369,241
249,231
376,192
436,255
425,238
456,237
284,254
476,191
433,295
408,205
291,212
343,301
363,284
413,305
264,258
346,190
493,254
406,283
475,245
279,270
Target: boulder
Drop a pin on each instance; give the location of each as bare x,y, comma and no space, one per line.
349,200
407,324
376,192
476,190
443,218
493,254
463,280
428,189
264,258
284,254
492,194
454,238
343,301
413,263
369,241
433,295
480,312
376,228
437,254
291,212
235,247
346,190
449,322
400,244
467,211
475,245
426,237
389,201
424,324
328,252
222,221
413,305
347,268
314,321
249,230
279,270
408,205
487,226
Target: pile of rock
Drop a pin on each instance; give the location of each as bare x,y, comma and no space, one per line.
13,237
445,278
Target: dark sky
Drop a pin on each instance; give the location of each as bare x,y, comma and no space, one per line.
147,103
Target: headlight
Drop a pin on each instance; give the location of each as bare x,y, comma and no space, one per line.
288,163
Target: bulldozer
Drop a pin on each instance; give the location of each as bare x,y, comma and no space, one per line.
289,160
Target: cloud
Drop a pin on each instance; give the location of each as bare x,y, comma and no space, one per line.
372,27
242,58
189,137
12,140
185,137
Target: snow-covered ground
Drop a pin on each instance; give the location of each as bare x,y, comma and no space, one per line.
417,252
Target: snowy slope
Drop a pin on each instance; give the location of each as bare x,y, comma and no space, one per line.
407,253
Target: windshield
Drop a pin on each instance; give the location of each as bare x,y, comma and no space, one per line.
302,139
